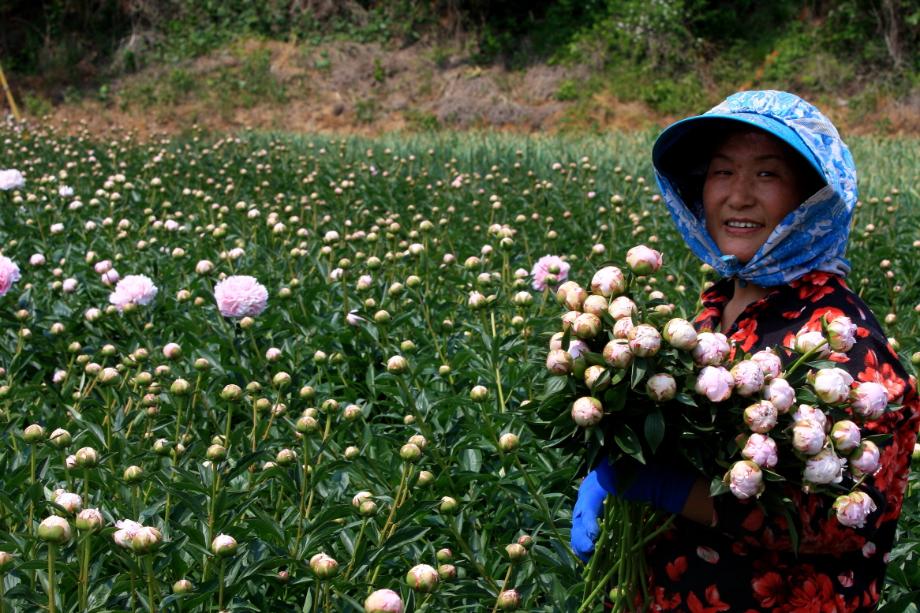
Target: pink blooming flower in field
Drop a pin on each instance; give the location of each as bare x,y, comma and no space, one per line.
240,296
549,265
9,274
133,289
853,509
11,179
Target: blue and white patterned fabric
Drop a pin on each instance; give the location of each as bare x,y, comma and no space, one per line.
814,235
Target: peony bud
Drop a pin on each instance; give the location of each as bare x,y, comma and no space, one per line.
422,578
846,436
761,416
854,508
508,442
231,392
832,385
72,503
324,566
60,438
748,378
644,340
780,393
448,505
760,449
89,520
865,461
587,412
223,545
133,474
643,260
516,552
824,467
711,349
661,387
509,600
587,326
146,539
770,364
86,457
559,362
811,340
55,530
841,334
182,586
593,378
617,353
680,333
33,434
808,437
446,572
869,399
397,365
444,555
410,452
745,479
715,383
6,560
608,281
479,393
383,601
622,307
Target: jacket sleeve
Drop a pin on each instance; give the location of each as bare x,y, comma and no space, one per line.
815,526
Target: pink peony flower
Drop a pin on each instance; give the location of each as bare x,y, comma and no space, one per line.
127,529
761,416
745,479
37,259
643,260
748,377
769,363
870,399
240,296
9,274
549,265
11,179
711,349
617,353
587,411
715,383
383,601
760,449
845,436
866,459
661,387
780,393
680,333
608,281
808,437
841,334
644,340
832,385
824,467
853,509
133,289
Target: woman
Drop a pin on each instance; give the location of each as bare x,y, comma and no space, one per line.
769,208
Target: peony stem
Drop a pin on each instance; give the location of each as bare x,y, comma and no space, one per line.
503,587
220,584
151,602
51,578
84,571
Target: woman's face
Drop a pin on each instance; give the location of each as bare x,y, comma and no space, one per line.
753,181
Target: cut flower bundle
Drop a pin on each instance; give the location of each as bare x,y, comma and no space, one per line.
641,383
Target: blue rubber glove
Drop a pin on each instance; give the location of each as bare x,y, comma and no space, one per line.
663,487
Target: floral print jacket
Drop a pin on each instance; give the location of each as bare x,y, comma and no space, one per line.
747,562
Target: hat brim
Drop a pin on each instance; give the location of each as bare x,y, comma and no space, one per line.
672,137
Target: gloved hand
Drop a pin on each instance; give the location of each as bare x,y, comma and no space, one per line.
663,487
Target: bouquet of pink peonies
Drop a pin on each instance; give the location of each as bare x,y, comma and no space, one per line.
639,382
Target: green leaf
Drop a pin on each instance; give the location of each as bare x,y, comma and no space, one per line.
628,441
654,428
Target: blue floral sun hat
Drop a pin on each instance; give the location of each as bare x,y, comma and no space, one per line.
813,236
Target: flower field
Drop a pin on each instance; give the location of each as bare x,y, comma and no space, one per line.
277,373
